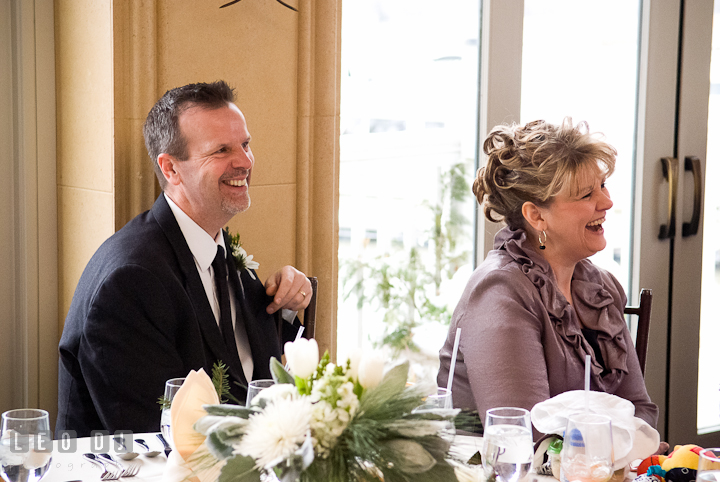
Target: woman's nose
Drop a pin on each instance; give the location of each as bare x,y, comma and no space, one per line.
605,201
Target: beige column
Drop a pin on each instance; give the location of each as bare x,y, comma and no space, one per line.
319,157
135,92
85,147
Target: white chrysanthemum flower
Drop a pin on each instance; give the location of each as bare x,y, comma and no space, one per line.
277,431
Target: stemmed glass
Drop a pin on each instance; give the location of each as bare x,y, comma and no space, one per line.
171,388
255,387
587,453
507,444
709,465
25,445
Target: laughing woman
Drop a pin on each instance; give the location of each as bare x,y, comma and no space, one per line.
536,306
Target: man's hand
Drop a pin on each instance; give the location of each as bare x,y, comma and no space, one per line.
289,288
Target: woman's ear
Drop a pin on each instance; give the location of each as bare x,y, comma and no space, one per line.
533,216
167,166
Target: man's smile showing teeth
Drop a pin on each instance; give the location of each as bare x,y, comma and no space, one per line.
596,225
237,182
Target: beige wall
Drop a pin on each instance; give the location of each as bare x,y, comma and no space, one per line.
114,59
85,158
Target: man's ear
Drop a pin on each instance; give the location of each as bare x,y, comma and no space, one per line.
533,216
167,166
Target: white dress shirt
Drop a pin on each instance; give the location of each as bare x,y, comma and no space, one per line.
204,249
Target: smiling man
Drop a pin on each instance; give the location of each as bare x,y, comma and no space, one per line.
163,296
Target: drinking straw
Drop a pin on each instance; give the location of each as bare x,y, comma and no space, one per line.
297,337
587,383
452,366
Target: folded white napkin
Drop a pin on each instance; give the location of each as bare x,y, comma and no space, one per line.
633,438
190,452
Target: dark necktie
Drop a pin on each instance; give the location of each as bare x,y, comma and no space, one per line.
221,284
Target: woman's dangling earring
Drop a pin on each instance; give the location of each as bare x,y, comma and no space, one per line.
543,238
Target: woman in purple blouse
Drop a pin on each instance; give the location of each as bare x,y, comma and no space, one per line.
536,306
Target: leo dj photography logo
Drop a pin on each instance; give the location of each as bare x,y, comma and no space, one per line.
42,442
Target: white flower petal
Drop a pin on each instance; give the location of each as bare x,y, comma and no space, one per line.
276,432
370,372
302,357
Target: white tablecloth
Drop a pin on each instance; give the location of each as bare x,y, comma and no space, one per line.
68,463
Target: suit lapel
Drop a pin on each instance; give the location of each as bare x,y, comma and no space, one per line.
259,326
195,290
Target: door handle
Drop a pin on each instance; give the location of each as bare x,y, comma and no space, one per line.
670,172
692,163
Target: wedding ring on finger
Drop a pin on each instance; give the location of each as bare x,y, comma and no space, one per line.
303,294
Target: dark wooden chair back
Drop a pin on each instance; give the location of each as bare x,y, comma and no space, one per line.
643,327
309,318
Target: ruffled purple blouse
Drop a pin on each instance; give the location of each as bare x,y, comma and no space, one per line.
521,340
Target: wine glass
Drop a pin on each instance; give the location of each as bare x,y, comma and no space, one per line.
709,465
25,445
255,387
171,388
587,453
507,443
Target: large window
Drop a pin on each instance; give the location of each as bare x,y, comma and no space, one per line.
408,157
574,65
708,419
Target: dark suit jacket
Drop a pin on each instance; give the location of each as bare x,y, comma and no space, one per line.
140,316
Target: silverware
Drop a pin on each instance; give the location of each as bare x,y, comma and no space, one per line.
168,449
148,452
107,474
125,454
127,471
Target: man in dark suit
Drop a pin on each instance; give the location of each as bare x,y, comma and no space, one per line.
163,296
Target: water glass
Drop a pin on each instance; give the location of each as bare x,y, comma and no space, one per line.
171,388
709,466
442,399
587,453
255,387
25,445
507,444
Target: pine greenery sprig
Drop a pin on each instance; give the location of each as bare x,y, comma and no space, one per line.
164,402
221,380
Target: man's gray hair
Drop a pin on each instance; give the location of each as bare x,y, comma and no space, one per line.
162,128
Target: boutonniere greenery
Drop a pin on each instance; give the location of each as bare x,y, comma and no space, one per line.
242,259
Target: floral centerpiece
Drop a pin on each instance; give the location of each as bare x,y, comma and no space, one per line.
324,422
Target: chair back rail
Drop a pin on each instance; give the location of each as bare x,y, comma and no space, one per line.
643,327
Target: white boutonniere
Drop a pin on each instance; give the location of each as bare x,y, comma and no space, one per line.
242,259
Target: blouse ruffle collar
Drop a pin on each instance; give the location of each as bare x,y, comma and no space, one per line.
592,300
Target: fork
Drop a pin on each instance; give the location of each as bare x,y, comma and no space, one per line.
130,471
107,474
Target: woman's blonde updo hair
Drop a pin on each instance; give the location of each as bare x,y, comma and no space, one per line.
533,163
